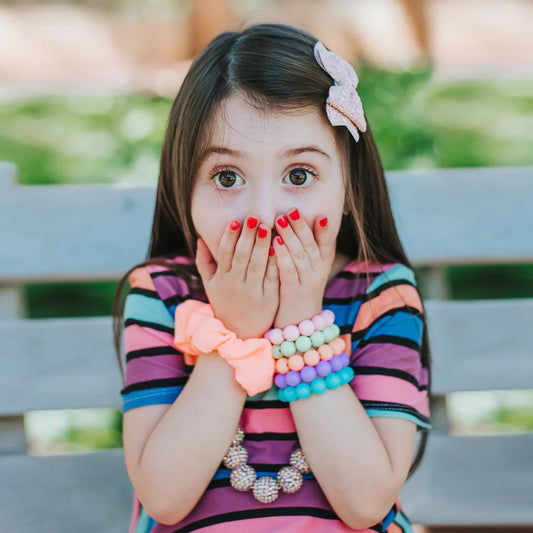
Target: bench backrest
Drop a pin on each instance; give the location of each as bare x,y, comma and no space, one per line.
97,232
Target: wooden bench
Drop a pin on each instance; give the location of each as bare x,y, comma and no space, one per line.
96,232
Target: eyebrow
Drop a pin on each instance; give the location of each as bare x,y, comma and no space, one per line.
288,153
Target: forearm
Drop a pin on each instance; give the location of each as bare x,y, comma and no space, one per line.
186,446
346,455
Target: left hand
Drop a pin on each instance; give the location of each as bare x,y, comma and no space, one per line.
304,262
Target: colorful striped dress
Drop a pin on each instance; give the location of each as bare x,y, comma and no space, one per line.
379,317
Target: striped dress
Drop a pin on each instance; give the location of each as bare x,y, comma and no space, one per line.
380,320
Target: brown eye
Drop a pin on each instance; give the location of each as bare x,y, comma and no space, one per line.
300,176
226,179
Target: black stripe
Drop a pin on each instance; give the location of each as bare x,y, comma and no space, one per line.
390,339
388,285
155,384
151,325
160,273
345,300
176,299
391,406
271,436
344,274
144,292
150,352
394,372
267,404
258,513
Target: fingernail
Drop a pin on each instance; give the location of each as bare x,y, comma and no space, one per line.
271,251
323,222
251,222
295,215
280,240
234,224
262,232
282,221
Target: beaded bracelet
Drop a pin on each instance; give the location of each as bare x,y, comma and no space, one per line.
317,386
308,373
310,357
303,342
305,328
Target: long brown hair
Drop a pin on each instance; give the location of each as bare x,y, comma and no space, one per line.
273,65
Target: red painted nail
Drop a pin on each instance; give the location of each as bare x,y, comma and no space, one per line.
271,251
262,232
282,221
252,222
280,240
234,224
323,222
295,215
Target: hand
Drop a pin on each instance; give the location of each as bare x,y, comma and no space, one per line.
304,261
242,285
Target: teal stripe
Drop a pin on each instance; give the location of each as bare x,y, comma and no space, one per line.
395,273
145,523
270,394
402,521
397,414
146,309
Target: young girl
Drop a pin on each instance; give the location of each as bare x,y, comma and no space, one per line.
277,361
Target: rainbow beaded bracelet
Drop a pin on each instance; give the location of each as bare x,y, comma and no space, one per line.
308,373
310,357
317,386
305,328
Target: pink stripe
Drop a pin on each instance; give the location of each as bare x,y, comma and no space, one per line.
390,389
157,367
268,420
391,298
181,260
354,266
138,338
134,513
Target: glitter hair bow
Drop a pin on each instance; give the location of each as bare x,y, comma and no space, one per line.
343,105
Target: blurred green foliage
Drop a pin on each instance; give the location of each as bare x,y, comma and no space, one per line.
417,120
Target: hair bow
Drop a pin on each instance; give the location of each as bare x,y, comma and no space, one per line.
343,105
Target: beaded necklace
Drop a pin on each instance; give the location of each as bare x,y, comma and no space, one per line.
265,489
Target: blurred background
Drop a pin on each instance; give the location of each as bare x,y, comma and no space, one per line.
86,88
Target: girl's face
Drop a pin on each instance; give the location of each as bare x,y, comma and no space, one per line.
262,165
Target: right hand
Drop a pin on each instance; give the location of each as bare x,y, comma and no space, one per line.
242,284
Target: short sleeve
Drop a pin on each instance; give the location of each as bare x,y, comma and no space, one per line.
155,369
390,378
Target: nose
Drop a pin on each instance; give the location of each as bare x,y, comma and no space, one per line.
267,205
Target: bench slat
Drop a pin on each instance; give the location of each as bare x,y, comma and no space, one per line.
86,493
100,231
70,363
472,481
91,492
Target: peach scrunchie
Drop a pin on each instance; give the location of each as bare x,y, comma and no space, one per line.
198,331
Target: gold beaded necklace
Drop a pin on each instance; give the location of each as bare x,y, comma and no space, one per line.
265,489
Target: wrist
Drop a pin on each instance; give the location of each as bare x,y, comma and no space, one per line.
295,316
213,366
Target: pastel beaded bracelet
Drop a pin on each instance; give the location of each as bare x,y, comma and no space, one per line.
310,357
304,342
305,328
308,373
317,386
